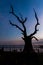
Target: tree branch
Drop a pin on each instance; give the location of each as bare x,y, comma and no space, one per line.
15,26
36,16
22,22
25,20
13,13
35,25
34,37
21,16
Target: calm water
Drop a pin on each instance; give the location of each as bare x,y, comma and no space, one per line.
19,47
12,47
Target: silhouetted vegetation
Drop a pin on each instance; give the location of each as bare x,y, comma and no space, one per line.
28,56
20,58
27,39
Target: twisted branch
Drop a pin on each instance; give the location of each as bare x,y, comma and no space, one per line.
34,37
21,21
36,24
15,26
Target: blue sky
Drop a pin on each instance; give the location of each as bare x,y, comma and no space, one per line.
25,7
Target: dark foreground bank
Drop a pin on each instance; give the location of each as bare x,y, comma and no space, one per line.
20,58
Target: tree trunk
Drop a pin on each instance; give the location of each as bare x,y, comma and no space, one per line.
28,46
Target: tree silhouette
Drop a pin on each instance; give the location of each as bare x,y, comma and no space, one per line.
27,39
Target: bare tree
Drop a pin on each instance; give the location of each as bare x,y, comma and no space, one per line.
27,39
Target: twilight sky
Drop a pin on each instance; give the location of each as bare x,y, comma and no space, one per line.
25,7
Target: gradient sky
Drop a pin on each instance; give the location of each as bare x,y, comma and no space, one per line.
25,7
